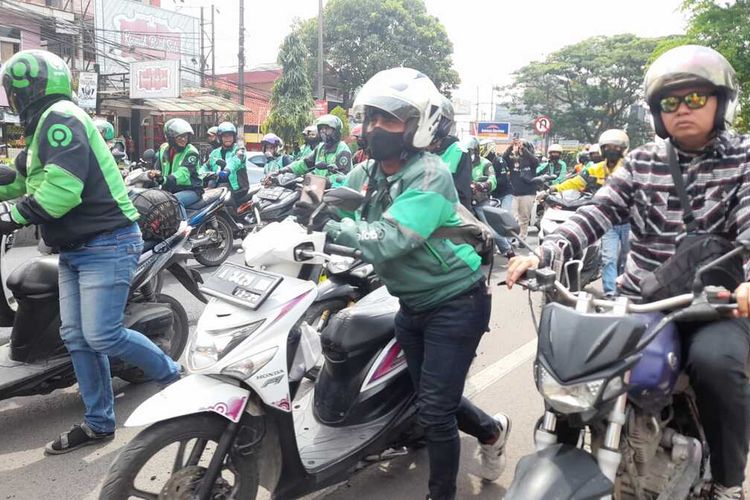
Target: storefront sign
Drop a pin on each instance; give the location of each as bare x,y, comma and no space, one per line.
154,79
87,85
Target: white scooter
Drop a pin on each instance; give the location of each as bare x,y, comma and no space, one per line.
249,353
559,207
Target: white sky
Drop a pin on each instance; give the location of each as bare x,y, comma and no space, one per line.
491,38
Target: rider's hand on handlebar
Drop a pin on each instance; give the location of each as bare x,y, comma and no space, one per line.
518,266
154,175
742,294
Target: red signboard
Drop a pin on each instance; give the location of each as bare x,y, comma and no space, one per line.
320,108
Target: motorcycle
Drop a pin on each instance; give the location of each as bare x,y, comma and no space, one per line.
212,240
537,211
35,361
241,392
271,201
620,417
559,207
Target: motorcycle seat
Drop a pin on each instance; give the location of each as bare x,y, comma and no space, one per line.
36,276
368,324
209,197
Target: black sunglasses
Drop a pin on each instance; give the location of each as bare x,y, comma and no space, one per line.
693,100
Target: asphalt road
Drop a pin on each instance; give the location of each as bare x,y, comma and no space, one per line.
500,380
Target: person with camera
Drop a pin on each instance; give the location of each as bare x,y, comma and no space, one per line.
445,303
683,196
522,165
68,184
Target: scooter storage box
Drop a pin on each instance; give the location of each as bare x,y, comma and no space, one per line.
36,328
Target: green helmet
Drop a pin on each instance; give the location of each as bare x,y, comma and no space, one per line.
31,75
105,128
332,121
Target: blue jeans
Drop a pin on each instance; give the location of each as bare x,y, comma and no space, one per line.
186,198
615,248
94,287
502,243
439,346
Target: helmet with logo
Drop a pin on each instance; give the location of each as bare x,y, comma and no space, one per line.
447,123
409,96
615,137
105,128
692,65
226,128
31,75
554,148
175,128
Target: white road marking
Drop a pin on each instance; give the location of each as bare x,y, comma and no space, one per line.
499,369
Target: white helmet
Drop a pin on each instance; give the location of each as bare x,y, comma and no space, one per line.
594,148
615,137
408,95
690,65
554,148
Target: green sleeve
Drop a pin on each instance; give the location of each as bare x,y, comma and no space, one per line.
541,168
210,167
15,189
65,152
183,173
563,172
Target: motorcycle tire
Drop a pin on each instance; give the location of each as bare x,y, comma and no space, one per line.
177,341
210,256
184,479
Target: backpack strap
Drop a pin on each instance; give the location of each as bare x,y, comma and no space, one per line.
688,217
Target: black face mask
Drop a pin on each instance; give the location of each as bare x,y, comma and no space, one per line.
384,145
554,158
328,138
612,156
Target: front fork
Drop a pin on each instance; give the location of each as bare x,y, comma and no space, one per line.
217,461
608,456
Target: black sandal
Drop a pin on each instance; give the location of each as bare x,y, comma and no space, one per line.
78,436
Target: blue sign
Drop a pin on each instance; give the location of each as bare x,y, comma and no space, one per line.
493,130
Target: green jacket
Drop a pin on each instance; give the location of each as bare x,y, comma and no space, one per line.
277,163
304,152
181,173
74,190
234,165
484,169
560,170
340,157
393,230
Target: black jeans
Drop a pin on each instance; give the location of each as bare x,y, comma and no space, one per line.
716,354
439,346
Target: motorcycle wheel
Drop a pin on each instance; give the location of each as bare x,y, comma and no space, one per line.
212,256
173,343
181,442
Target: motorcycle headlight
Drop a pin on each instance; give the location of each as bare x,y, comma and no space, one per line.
574,398
207,348
246,368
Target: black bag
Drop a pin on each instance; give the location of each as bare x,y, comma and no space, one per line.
676,275
159,213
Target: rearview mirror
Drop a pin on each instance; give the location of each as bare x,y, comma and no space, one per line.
344,198
148,155
502,221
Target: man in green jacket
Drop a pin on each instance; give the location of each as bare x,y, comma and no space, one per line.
331,158
445,304
68,184
177,163
554,165
311,140
227,162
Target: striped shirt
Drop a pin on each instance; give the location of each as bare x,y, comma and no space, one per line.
642,192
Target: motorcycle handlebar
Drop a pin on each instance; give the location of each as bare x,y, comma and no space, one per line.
342,250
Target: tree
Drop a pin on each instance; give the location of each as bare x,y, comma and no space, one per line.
588,87
724,28
362,37
291,98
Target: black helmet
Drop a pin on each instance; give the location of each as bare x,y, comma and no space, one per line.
31,75
446,124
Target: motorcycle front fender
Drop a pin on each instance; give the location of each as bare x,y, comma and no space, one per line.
558,472
192,394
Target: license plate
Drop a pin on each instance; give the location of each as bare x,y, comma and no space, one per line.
241,285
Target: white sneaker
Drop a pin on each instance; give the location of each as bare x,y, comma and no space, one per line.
491,457
727,493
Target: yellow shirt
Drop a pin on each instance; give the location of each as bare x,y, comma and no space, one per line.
593,176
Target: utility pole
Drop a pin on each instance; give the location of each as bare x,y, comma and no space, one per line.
241,68
203,53
213,48
320,50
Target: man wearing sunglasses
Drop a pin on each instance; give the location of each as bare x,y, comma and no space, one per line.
692,93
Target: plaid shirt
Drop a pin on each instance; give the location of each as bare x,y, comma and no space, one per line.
642,192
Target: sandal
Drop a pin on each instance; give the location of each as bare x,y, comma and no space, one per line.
78,436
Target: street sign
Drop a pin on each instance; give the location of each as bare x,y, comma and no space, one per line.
542,124
493,130
87,84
